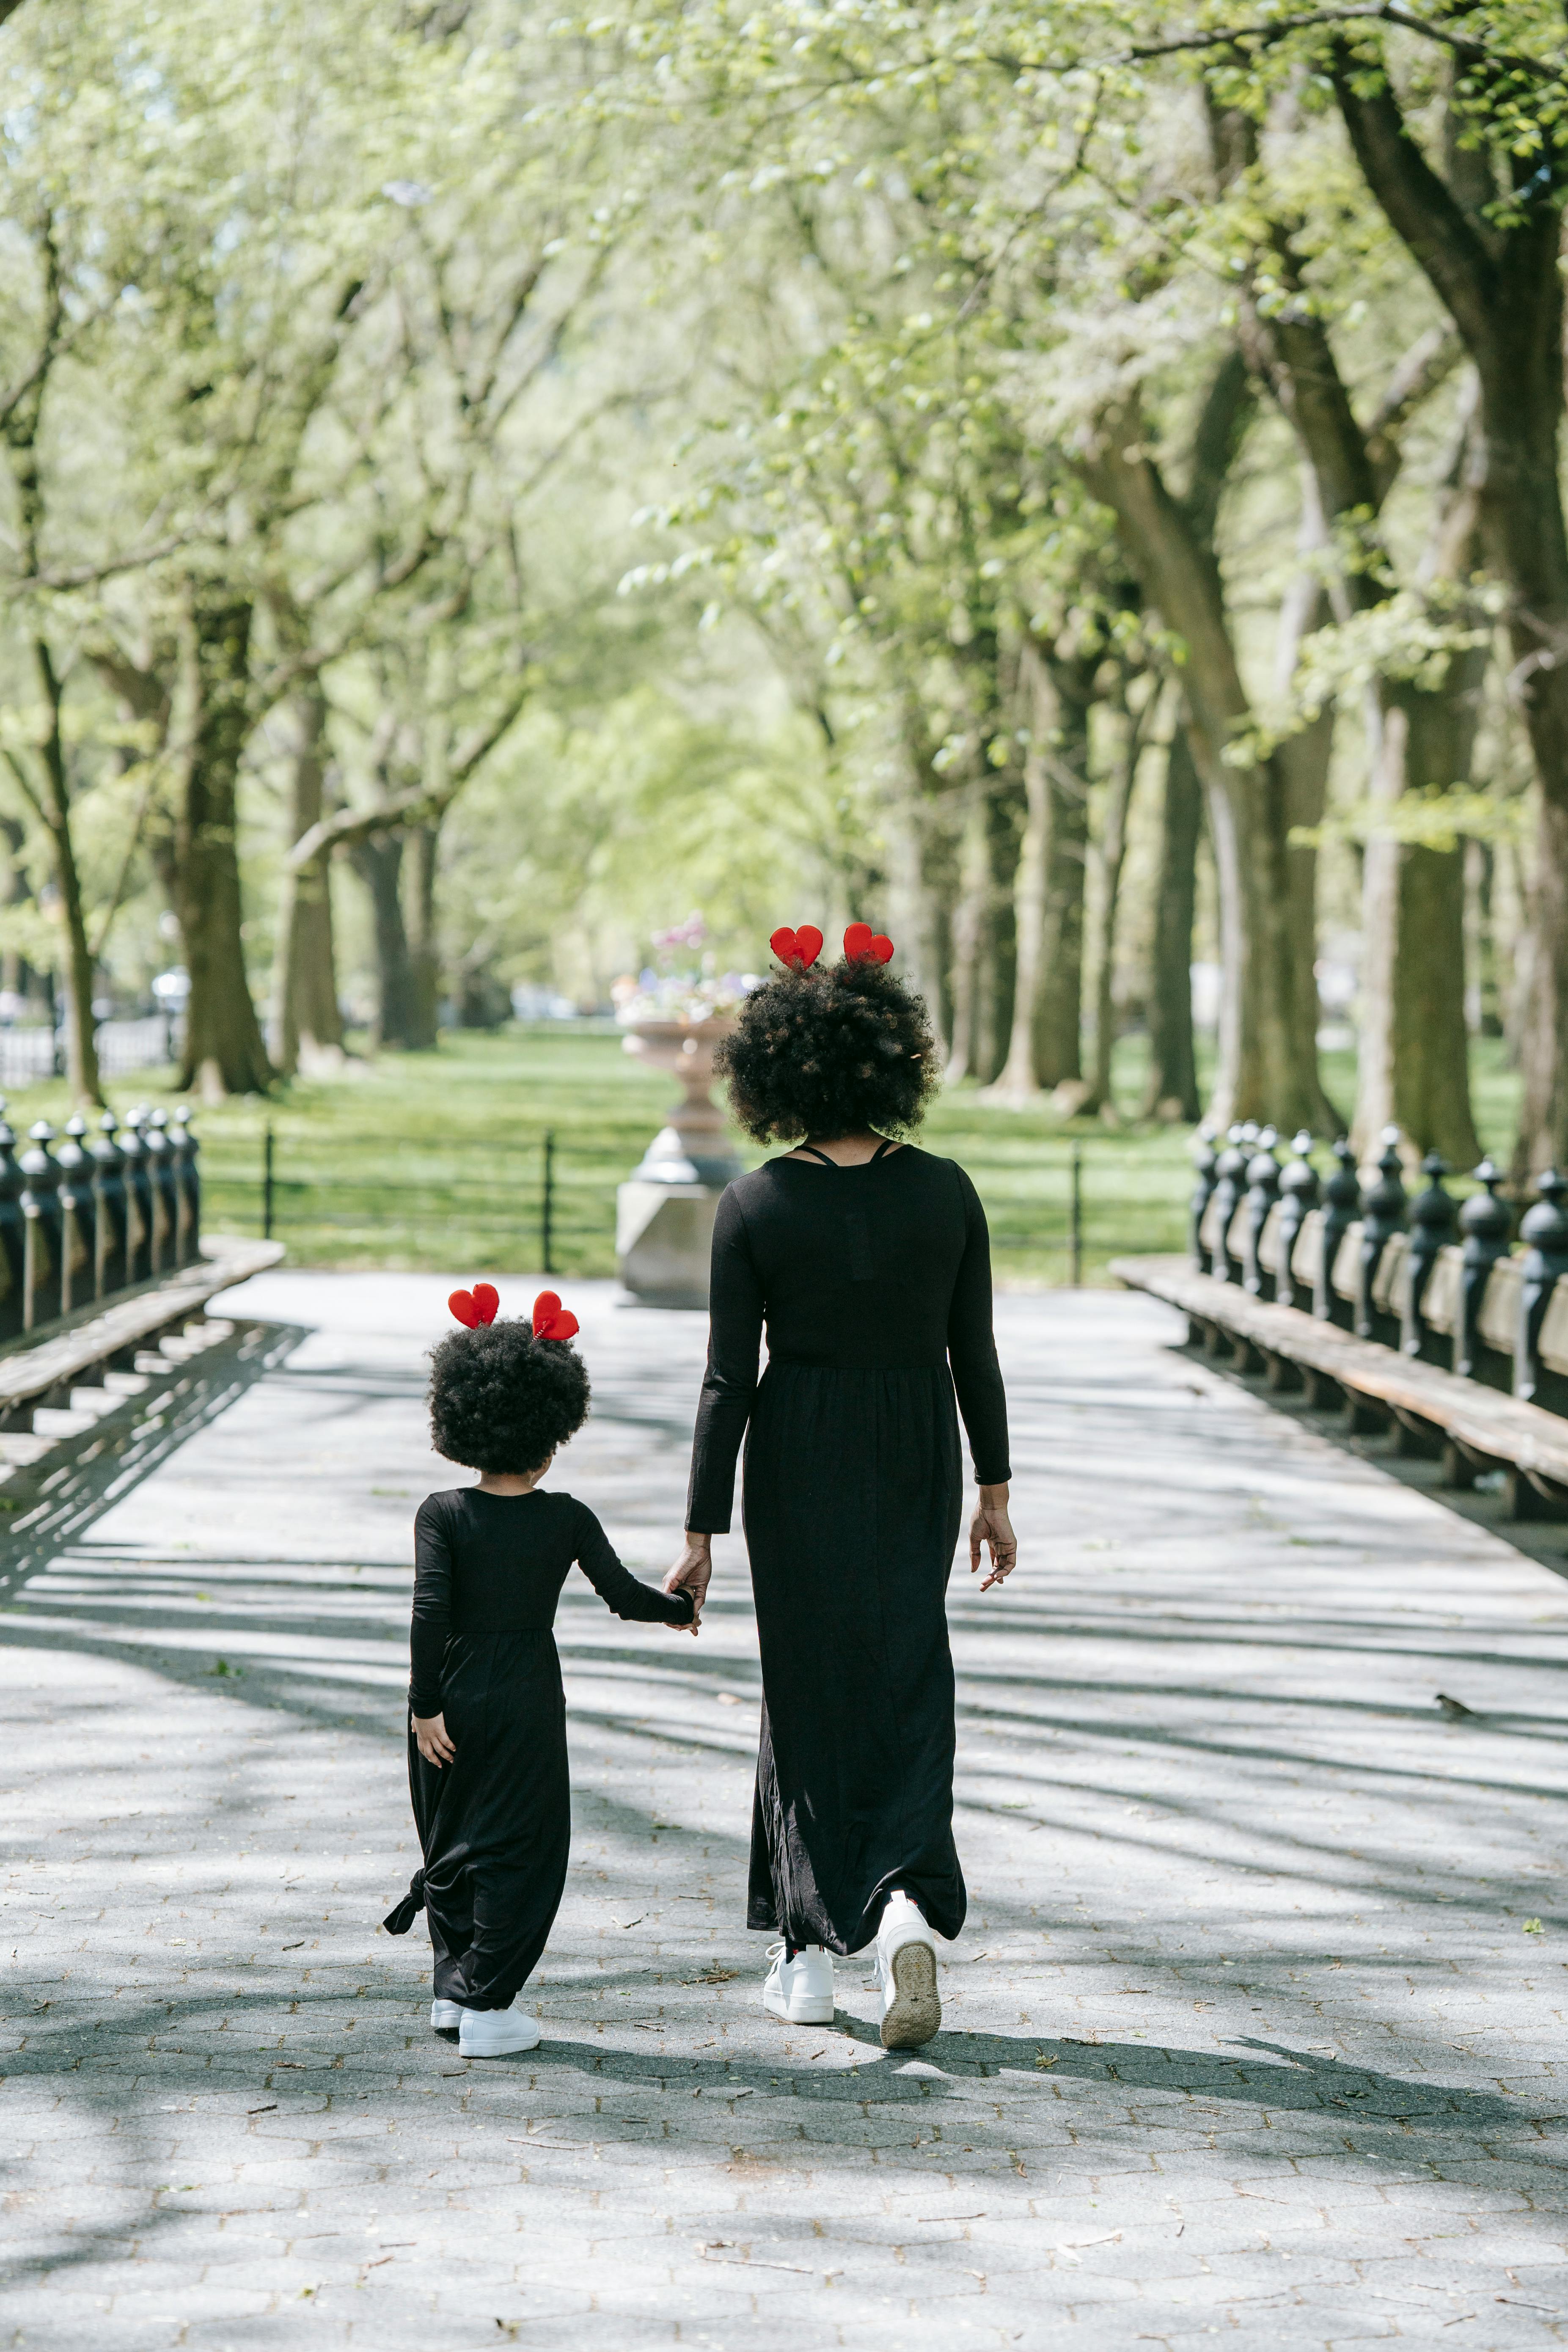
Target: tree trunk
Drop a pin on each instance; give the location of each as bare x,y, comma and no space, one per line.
424,955
917,925
82,1037
378,862
1412,1067
1005,805
1501,283
1265,1071
1112,858
1172,1088
967,984
305,1010
224,1050
1045,1048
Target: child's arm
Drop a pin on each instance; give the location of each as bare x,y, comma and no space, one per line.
431,1625
619,1588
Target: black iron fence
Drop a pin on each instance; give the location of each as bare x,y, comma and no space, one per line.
455,1202
86,1213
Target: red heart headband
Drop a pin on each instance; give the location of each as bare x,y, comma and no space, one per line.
550,1319
801,948
477,1306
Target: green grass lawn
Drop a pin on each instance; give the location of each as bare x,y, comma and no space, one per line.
435,1161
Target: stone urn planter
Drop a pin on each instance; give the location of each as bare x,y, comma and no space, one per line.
664,1213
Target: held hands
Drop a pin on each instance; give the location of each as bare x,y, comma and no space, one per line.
690,1574
434,1742
992,1526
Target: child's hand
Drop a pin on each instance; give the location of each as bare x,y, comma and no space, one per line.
431,1735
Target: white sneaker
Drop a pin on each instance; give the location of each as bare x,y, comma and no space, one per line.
800,1990
906,1970
445,2016
496,2032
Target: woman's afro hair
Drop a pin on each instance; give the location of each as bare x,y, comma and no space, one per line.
501,1400
824,1053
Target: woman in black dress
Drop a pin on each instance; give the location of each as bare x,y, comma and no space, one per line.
870,1263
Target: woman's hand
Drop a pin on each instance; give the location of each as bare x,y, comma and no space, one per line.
434,1742
992,1526
690,1574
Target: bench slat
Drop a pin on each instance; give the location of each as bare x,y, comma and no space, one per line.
30,1372
1482,1418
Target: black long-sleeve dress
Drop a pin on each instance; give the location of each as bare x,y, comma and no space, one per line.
495,1824
875,1284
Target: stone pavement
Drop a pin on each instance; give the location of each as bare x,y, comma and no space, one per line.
1256,2025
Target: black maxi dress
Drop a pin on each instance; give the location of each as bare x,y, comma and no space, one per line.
875,1285
495,1824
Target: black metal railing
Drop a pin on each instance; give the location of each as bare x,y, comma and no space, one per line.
85,1214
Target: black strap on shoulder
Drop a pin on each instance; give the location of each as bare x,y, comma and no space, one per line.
886,1144
817,1155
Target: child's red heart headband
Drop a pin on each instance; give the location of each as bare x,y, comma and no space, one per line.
550,1319
477,1306
801,948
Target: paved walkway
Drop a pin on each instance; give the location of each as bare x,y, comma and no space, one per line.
1253,2026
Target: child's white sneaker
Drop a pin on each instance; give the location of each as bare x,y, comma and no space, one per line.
496,2032
445,2016
906,1970
799,1990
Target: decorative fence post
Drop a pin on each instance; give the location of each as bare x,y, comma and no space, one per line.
165,1192
1382,1216
138,1199
41,1207
1204,1179
188,1170
79,1246
1341,1206
1486,1224
13,1236
1230,1169
1432,1219
109,1191
1262,1192
1297,1197
1544,1232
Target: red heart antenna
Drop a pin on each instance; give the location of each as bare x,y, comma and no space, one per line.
800,948
862,945
475,1307
551,1320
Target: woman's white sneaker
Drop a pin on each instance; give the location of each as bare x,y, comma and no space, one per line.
906,1970
445,2016
496,2032
799,1990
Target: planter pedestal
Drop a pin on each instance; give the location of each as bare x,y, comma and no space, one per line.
664,1213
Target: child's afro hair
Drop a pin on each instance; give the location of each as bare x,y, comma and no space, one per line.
825,1052
501,1400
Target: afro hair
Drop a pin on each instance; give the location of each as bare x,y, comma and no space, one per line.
502,1401
827,1053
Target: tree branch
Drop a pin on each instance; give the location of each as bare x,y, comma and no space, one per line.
1419,203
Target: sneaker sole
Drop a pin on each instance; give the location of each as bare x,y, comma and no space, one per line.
497,2050
915,2014
807,2012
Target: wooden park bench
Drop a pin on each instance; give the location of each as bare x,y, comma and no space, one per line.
1459,1350
98,1359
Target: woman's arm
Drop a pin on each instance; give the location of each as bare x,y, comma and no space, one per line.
736,1309
982,1399
429,1632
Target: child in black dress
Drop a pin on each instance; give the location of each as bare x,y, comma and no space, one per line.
487,1738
